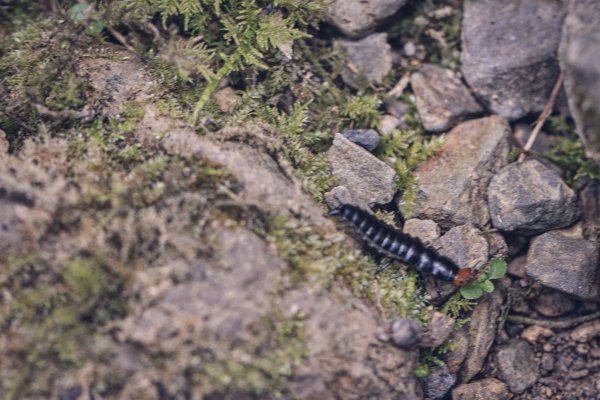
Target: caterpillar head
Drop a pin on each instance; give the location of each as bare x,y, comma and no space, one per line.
464,276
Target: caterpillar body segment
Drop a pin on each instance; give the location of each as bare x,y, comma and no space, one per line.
400,246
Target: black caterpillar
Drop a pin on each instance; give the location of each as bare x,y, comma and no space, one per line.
402,247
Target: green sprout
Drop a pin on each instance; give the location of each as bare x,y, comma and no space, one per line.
475,289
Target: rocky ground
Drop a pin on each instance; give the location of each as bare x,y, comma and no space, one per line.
163,189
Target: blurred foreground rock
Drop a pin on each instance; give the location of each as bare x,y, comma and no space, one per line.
508,61
211,310
580,61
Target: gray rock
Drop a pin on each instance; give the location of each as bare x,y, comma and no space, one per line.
356,19
553,304
457,354
337,196
425,230
442,99
438,330
467,247
405,332
369,58
452,184
566,264
589,197
516,366
367,138
498,246
369,179
482,331
387,123
398,109
517,267
529,198
509,62
438,383
580,61
488,389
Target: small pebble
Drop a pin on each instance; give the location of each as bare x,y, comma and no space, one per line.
409,49
582,373
547,362
367,138
405,332
533,333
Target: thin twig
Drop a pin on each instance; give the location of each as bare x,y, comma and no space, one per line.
121,39
548,323
400,86
543,116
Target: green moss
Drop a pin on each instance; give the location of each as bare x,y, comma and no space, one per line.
38,69
263,371
313,258
60,309
569,154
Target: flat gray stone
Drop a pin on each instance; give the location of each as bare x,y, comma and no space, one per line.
466,245
509,53
337,196
580,61
566,264
358,18
529,198
482,332
369,179
488,389
442,99
457,354
516,366
369,58
452,184
426,230
589,198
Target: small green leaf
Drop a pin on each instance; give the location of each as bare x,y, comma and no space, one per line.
487,286
471,292
497,268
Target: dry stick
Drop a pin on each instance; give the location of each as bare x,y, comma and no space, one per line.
121,39
542,118
547,323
